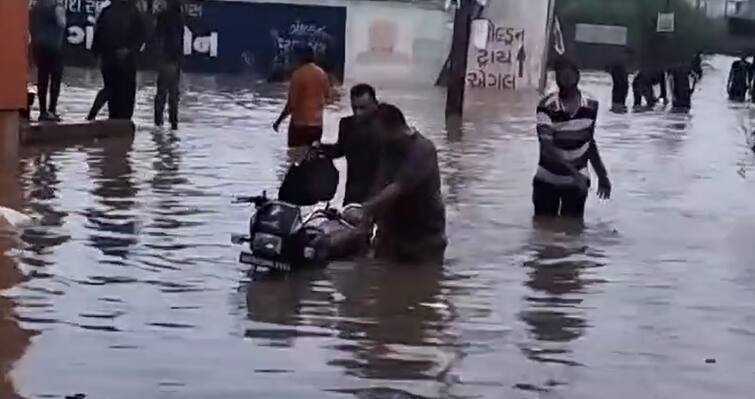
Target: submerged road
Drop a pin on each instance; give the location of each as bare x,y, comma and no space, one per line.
129,287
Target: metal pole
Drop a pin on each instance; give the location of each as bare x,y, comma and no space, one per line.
458,70
548,45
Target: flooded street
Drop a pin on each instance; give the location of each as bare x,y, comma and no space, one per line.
130,288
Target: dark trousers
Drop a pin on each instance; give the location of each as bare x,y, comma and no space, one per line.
738,93
99,101
120,85
168,79
49,77
645,91
300,136
553,200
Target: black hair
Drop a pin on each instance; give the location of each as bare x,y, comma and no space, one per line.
565,63
362,89
305,52
391,116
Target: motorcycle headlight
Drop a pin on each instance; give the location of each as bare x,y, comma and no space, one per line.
267,244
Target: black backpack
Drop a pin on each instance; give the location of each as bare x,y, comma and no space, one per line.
313,180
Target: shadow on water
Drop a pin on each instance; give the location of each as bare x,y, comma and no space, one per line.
389,322
14,340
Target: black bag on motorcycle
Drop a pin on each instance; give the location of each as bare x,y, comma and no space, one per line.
313,180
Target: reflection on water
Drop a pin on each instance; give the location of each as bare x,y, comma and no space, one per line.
135,290
112,225
14,340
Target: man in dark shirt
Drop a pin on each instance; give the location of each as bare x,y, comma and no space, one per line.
738,80
118,38
682,88
358,142
47,27
620,90
642,88
169,36
408,206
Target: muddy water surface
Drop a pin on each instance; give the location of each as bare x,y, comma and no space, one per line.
129,287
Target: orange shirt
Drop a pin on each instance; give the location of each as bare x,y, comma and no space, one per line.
307,94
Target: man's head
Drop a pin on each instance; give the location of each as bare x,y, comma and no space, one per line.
363,100
391,125
304,54
567,75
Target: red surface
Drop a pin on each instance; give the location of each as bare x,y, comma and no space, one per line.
14,21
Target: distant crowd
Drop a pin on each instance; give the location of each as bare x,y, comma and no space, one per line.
121,31
679,81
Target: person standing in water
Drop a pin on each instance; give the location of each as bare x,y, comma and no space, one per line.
169,35
566,131
739,79
408,206
48,25
358,142
620,89
118,38
308,93
682,85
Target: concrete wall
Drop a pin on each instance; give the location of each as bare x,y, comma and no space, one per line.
392,42
395,43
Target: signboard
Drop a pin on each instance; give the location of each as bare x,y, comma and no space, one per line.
601,34
501,63
665,22
223,36
513,57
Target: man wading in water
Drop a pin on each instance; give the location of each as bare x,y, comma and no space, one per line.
358,142
118,37
48,25
169,37
308,93
566,131
408,207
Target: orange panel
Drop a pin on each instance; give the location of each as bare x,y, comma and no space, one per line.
14,22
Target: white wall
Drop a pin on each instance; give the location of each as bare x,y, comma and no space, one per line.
390,43
395,43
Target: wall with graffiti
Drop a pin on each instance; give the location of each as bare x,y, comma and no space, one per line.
228,36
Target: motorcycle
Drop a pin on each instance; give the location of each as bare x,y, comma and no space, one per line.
281,239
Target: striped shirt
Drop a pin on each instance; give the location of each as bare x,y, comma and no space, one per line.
571,135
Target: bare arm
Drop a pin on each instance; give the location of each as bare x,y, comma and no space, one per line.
60,16
284,114
604,183
378,204
597,161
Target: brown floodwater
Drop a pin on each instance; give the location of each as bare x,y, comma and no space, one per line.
129,286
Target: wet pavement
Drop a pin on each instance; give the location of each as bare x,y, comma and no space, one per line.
129,287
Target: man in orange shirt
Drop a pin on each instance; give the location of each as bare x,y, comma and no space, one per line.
308,93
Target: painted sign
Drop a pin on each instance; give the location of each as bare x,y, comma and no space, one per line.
514,55
501,63
223,36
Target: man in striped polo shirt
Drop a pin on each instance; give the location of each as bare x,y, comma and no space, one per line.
566,131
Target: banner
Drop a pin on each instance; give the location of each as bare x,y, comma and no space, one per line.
224,36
